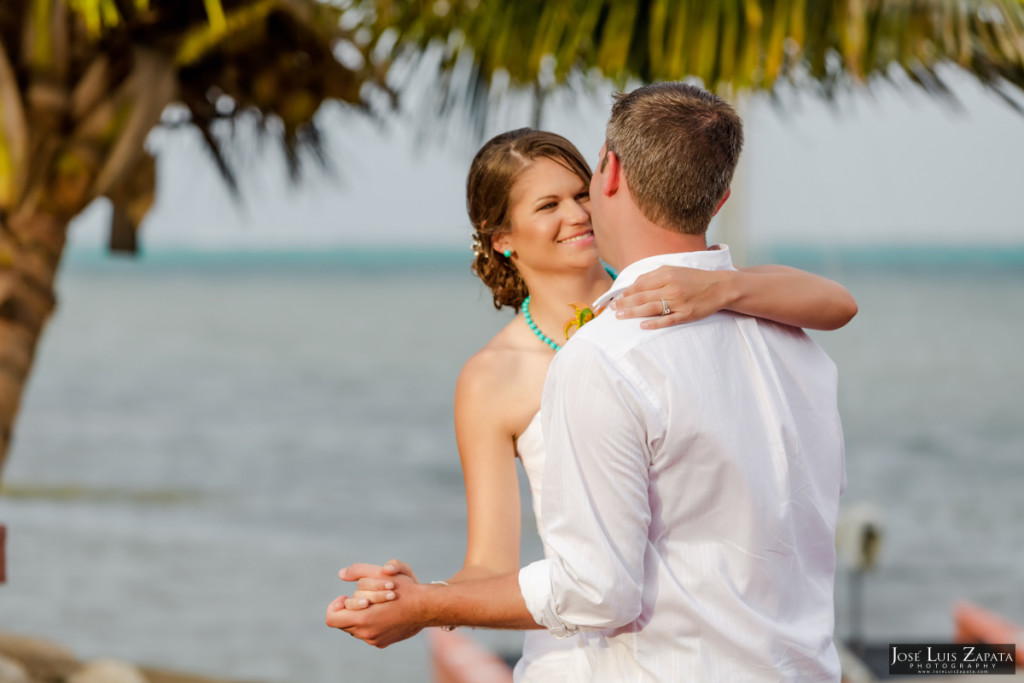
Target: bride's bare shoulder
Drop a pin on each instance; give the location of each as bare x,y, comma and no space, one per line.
509,368
494,362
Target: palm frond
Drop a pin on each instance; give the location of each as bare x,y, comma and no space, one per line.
729,45
84,81
13,136
275,59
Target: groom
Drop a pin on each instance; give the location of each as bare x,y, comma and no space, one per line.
693,472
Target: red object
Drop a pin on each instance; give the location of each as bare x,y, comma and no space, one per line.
457,658
977,625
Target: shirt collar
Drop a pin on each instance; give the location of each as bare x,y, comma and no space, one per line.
715,258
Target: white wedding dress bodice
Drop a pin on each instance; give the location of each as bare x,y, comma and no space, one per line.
545,658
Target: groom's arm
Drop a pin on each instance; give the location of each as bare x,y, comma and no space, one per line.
492,603
596,517
598,418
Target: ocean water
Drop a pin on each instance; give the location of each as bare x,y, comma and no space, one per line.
206,441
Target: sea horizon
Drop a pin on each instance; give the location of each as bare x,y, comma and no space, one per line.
1007,255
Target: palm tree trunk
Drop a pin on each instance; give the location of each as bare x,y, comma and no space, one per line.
30,250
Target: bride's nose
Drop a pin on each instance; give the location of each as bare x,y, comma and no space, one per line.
578,214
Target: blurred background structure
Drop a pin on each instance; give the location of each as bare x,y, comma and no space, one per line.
213,429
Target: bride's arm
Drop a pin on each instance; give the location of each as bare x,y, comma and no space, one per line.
779,293
487,452
492,484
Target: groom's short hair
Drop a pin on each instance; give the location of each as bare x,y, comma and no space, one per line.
678,145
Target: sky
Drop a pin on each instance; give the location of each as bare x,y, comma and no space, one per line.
891,166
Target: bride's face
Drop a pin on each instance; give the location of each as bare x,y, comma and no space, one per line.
550,219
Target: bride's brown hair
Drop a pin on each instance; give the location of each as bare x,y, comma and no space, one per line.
495,170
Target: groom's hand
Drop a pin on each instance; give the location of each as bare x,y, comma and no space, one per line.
384,624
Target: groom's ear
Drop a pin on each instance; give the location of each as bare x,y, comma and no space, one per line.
613,171
728,191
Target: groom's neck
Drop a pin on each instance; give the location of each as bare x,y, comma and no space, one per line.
652,240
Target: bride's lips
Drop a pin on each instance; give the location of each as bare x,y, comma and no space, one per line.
586,235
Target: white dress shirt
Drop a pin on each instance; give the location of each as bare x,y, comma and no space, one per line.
690,496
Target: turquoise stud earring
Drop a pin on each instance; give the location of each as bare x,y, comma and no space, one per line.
507,253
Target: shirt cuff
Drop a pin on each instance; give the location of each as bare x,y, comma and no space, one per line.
535,585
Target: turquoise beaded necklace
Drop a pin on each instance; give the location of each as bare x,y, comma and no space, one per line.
525,308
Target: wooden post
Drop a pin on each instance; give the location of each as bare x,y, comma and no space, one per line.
3,556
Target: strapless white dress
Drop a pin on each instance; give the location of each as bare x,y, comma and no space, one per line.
545,658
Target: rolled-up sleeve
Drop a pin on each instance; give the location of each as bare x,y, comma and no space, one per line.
595,502
535,585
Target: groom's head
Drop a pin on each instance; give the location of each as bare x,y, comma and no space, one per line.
676,146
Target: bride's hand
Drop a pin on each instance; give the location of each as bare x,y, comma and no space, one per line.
370,592
373,583
688,293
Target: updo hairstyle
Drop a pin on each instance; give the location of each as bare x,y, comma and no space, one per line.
494,172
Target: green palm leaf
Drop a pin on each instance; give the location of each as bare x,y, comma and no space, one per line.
730,45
